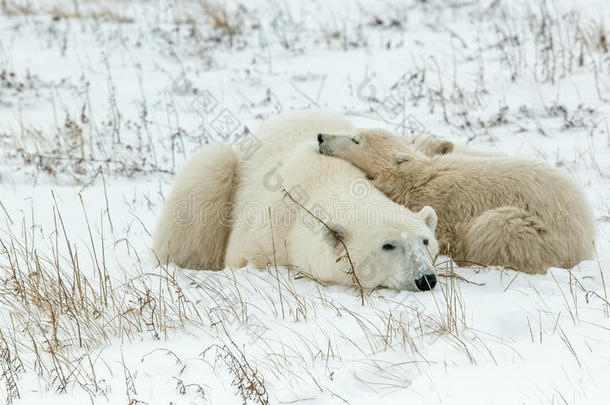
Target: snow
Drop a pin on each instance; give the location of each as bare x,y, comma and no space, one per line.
103,100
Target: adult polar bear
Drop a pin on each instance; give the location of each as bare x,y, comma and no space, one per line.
388,245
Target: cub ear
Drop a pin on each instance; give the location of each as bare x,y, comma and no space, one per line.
429,216
443,148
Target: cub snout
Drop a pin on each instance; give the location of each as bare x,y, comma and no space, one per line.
336,145
324,144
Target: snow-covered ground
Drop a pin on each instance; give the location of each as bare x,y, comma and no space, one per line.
101,101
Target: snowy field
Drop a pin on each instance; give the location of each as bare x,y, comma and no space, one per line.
102,100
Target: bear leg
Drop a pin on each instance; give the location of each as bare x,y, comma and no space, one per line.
510,237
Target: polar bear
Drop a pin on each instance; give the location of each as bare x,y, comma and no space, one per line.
291,206
502,211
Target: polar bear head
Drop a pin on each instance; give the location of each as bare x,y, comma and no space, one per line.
397,250
376,152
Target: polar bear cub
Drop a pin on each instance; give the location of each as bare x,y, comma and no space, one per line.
290,206
496,211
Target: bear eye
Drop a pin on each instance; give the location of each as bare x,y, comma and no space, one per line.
388,246
356,141
401,159
426,241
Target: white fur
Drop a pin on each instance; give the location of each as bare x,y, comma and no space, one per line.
288,159
195,222
432,146
494,211
219,182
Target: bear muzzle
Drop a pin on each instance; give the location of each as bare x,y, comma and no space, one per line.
426,282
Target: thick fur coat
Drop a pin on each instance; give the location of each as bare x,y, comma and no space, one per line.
388,244
502,211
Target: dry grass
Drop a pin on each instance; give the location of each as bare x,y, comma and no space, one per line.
61,302
61,311
59,316
94,10
221,19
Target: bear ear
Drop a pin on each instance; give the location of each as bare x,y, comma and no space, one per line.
429,216
443,148
335,233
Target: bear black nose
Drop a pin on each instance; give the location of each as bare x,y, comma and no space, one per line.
427,282
320,139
